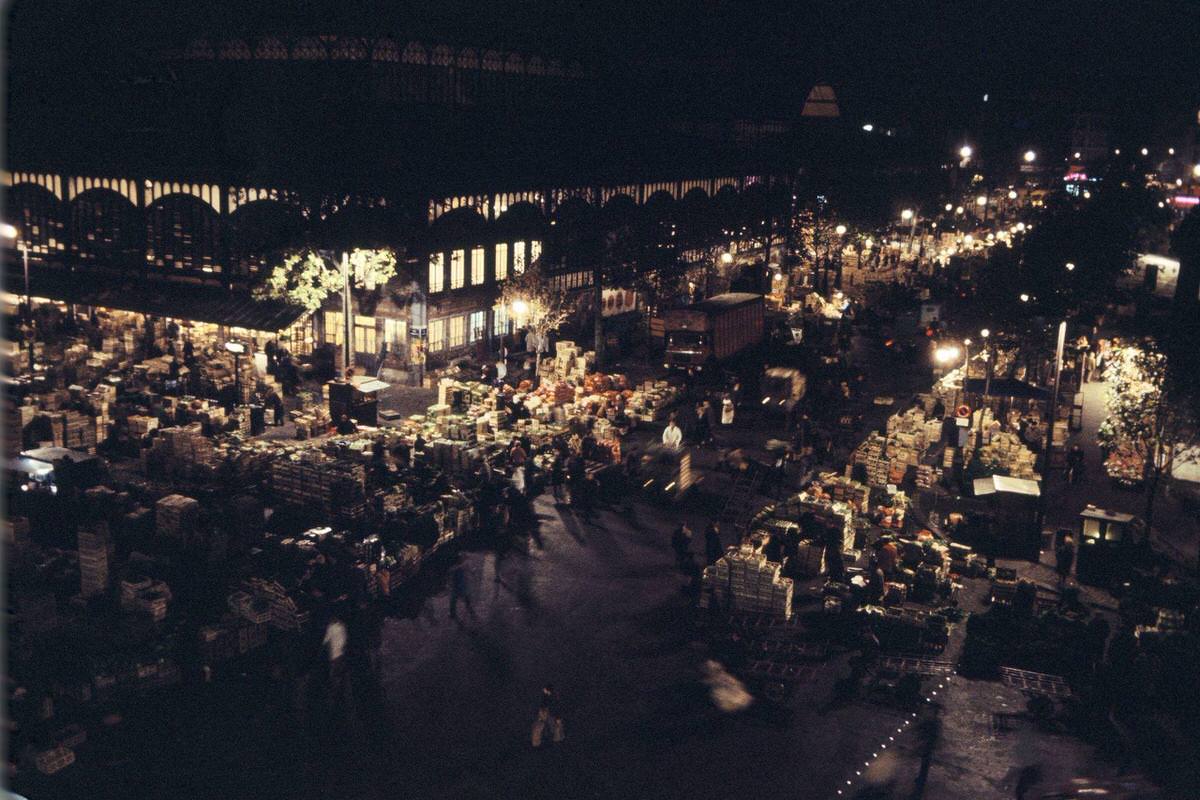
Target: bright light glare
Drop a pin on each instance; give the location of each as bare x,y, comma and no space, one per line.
1196,171
981,200
906,214
1030,156
985,333
868,127
840,230
726,258
946,355
949,206
1070,266
1024,297
520,307
958,210
1145,152
8,230
1012,194
1077,154
965,151
1021,226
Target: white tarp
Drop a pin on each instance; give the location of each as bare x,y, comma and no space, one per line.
1003,483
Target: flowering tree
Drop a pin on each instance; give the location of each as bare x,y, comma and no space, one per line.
536,303
307,278
1147,421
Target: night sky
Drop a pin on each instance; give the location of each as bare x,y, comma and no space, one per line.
921,66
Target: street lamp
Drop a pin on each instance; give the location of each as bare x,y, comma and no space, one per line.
238,349
981,201
840,230
1012,194
726,257
1030,156
949,206
906,214
1196,171
1077,154
959,210
10,232
965,152
1145,152
520,308
868,127
1070,265
1024,297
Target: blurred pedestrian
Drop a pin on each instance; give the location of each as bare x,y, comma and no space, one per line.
334,644
681,542
459,591
548,717
1064,559
712,542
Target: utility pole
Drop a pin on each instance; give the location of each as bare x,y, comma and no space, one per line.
347,327
1050,413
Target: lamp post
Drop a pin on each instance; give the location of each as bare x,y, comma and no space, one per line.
9,231
346,306
908,215
1050,414
237,348
987,386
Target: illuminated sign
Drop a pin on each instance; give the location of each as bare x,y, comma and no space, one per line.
1187,200
1075,176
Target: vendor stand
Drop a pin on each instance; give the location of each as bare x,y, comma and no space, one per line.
1106,541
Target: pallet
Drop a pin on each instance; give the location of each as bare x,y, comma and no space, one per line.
1035,682
916,665
773,670
793,651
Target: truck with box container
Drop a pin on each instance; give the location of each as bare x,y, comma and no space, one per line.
705,333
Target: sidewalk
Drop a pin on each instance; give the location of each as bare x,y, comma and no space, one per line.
1175,530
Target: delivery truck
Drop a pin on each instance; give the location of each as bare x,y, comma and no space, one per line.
713,330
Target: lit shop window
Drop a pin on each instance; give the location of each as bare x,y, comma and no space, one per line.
458,328
535,250
364,334
477,326
437,274
518,257
499,321
394,331
457,268
501,261
333,327
476,266
437,335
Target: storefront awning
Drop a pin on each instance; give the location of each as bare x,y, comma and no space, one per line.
196,302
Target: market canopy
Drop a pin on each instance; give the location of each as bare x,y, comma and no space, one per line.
196,302
1007,387
1002,484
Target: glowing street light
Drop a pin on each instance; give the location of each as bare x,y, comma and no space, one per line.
947,354
959,210
520,307
1170,151
906,214
1070,265
1145,152
965,151
840,230
868,127
1024,297
1117,151
8,230
1196,171
1021,227
985,333
1012,194
1030,156
949,206
726,258
1077,154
